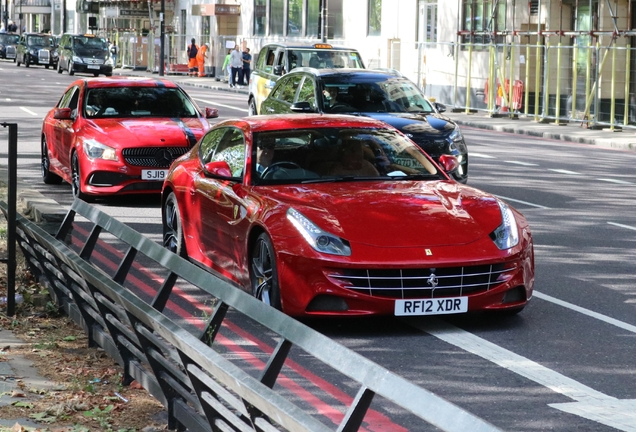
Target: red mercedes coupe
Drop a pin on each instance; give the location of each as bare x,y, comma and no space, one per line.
110,136
322,215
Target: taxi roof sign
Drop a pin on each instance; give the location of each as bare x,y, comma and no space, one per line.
323,46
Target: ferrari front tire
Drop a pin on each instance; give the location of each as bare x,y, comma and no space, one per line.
173,238
264,273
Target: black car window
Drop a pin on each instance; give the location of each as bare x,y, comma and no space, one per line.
224,144
260,61
288,91
307,92
139,102
36,40
270,57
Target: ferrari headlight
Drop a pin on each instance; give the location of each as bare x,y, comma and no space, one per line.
319,239
506,235
96,150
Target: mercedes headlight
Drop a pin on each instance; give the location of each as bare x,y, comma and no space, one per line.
319,239
506,235
77,59
97,150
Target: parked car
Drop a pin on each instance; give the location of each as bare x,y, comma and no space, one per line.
383,95
110,136
34,49
274,60
8,42
84,53
55,44
343,215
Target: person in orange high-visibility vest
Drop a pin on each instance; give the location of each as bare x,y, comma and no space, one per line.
201,55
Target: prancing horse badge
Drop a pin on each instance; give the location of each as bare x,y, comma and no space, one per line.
428,252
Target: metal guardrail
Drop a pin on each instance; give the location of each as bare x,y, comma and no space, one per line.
202,390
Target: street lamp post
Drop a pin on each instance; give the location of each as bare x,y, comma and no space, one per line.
162,26
5,15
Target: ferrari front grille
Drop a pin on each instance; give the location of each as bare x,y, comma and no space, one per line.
153,157
423,282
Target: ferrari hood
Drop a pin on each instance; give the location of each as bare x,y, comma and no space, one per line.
122,132
399,214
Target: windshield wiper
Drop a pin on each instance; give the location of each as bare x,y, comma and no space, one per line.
342,179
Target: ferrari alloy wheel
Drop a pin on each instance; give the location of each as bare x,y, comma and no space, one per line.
263,272
252,108
173,238
47,176
76,179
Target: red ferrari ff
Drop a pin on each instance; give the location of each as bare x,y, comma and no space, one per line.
119,135
339,215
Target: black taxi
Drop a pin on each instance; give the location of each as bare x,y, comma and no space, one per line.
34,49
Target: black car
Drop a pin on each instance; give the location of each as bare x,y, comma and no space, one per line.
8,42
383,95
34,49
84,53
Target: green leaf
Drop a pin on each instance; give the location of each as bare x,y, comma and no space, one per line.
69,338
23,404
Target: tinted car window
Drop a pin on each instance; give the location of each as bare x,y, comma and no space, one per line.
288,90
38,41
9,39
224,144
138,102
307,92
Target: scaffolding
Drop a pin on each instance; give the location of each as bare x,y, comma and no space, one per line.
558,66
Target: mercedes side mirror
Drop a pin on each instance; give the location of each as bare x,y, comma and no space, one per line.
440,107
211,112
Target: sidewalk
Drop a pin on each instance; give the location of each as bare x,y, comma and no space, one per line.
624,139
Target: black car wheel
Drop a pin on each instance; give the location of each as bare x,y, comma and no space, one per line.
173,238
59,67
26,61
70,68
252,108
263,272
47,176
76,179
46,66
16,60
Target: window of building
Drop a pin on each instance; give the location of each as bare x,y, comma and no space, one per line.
205,26
482,17
375,17
334,19
427,21
313,18
294,17
260,17
276,17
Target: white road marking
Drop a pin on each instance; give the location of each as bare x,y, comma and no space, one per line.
522,202
221,105
590,313
28,111
521,163
590,404
615,181
562,171
622,226
481,155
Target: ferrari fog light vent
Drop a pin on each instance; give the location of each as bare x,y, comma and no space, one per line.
514,295
327,303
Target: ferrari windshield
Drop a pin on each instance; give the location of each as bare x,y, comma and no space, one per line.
138,102
353,94
336,154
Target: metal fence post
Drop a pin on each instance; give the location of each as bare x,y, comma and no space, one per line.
11,215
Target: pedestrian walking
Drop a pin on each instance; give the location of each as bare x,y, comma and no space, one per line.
193,50
226,66
236,62
247,61
114,51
